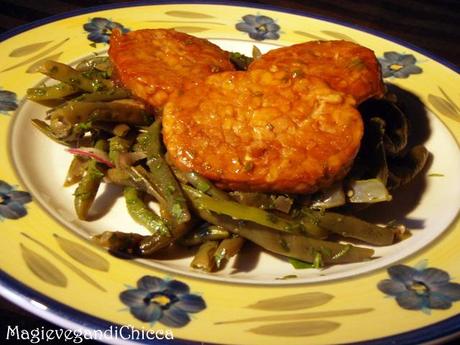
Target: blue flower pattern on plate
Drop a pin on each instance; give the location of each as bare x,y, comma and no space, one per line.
8,101
420,289
12,202
100,29
166,301
259,27
398,65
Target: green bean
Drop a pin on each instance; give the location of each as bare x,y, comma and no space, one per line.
349,226
131,244
118,145
240,61
263,200
205,186
151,244
162,176
122,111
204,258
121,130
143,180
143,215
204,233
43,127
104,95
227,248
87,188
46,93
256,215
120,242
76,170
101,63
287,244
68,75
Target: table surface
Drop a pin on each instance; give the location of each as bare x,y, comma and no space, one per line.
430,25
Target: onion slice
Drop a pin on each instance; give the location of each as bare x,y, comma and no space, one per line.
94,153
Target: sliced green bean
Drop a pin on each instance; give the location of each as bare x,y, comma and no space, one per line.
205,186
121,111
349,226
131,244
204,258
227,248
118,145
87,188
256,215
68,75
287,244
151,244
43,127
104,95
204,233
162,176
143,180
265,201
240,61
143,215
121,129
101,63
46,93
76,170
120,242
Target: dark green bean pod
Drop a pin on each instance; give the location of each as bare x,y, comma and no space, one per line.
68,75
76,170
143,215
204,257
352,227
162,176
257,215
227,248
204,233
292,245
46,93
87,189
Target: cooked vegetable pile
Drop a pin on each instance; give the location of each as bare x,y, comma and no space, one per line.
115,139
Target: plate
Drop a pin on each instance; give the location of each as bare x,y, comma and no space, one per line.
50,267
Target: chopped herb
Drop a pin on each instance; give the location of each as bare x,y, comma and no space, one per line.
436,175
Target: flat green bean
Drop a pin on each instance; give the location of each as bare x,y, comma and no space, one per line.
143,215
350,226
104,95
68,75
76,170
118,145
288,244
162,176
227,248
89,184
204,233
204,258
43,127
51,92
121,111
256,215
